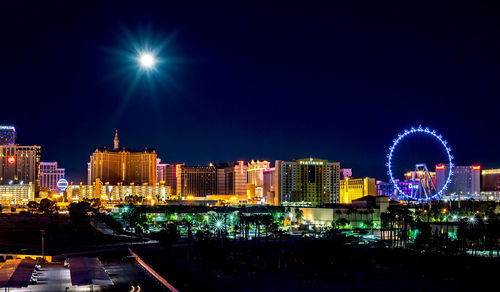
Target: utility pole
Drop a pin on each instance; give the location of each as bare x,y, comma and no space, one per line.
43,244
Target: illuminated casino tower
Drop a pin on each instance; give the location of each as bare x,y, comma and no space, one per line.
123,166
20,165
7,134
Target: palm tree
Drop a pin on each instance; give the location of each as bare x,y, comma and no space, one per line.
267,220
299,215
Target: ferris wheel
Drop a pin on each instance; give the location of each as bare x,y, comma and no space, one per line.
421,186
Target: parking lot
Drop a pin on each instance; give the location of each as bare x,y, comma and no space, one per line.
55,277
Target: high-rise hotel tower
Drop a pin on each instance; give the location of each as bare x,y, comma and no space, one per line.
123,166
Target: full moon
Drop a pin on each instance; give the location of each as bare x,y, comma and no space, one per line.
146,60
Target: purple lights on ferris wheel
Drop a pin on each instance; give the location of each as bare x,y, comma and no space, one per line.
439,138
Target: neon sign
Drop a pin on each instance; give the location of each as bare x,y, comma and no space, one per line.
11,159
62,184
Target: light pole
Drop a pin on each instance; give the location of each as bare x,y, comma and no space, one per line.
43,244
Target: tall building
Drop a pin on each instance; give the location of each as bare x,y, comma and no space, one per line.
232,178
123,166
285,181
333,181
311,181
355,188
173,173
269,188
161,171
197,181
441,175
49,175
7,135
20,165
465,180
255,179
89,174
491,183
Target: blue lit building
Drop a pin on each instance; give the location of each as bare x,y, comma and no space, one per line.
388,190
7,134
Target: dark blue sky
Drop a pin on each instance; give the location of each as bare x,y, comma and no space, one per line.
277,80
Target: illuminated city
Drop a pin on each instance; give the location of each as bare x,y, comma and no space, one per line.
249,147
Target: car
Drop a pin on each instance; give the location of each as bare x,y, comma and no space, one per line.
34,279
38,267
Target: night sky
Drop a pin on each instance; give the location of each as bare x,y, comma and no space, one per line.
251,81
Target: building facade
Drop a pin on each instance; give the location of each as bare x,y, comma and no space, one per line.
491,184
197,181
7,135
161,172
20,165
123,166
356,188
16,194
269,188
309,181
232,179
117,194
173,180
49,175
255,180
285,181
465,181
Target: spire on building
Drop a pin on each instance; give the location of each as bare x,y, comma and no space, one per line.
116,140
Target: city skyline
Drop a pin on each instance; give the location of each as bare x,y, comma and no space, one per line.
249,146
336,82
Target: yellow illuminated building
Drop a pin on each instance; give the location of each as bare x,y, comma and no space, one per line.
123,166
355,188
16,194
491,171
317,181
117,194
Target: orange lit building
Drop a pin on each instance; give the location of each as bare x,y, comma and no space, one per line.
255,178
123,166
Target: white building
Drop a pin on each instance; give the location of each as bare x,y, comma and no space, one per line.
49,175
465,181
